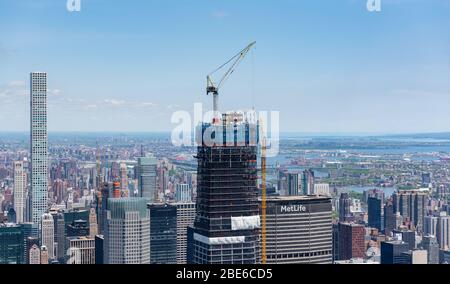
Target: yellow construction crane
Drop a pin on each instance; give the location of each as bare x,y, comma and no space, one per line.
212,88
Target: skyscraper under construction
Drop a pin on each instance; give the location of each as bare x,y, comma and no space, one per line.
226,227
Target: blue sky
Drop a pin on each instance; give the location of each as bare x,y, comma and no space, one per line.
325,65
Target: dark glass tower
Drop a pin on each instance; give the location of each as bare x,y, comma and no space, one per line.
226,228
163,233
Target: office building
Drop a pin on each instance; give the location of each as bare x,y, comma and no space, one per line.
374,208
163,233
322,189
48,233
389,218
127,231
147,172
38,144
20,185
34,256
93,227
44,255
443,231
185,219
307,186
344,207
124,179
99,249
351,241
430,244
299,230
294,184
11,244
430,225
391,251
226,228
411,204
81,250
183,193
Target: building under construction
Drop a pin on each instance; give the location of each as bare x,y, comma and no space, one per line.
226,227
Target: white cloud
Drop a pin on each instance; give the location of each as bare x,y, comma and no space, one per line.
18,83
114,102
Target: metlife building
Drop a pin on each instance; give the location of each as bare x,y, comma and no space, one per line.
299,230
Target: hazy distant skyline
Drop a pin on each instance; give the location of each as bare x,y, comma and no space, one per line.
326,66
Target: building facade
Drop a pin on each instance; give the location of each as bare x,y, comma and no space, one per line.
11,244
299,230
39,146
147,172
81,250
20,185
48,234
127,234
185,219
351,241
226,228
163,233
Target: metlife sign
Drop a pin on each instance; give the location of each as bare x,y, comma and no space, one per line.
295,208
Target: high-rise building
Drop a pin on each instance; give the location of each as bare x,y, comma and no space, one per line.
147,172
20,185
426,179
344,207
11,244
81,250
227,193
430,244
299,230
99,249
163,233
430,225
38,144
412,205
48,233
293,184
93,227
308,182
226,228
374,208
443,231
44,255
60,236
34,255
391,251
124,179
183,193
185,219
127,231
351,241
322,189
389,218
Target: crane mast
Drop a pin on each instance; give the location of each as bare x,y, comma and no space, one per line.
212,88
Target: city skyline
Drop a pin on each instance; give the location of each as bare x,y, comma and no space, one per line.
132,74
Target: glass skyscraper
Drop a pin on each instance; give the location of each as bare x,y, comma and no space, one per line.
147,168
38,144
